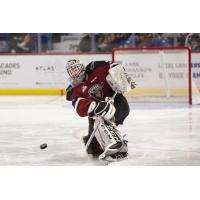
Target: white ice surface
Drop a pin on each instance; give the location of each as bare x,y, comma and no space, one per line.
158,134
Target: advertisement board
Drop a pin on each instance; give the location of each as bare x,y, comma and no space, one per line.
39,71
47,72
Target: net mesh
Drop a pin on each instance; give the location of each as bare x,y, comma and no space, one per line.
161,75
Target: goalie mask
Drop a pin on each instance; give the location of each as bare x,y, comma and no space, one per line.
76,71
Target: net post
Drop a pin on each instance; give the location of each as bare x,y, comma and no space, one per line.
190,75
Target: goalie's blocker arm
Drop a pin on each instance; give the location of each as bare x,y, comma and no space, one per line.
118,79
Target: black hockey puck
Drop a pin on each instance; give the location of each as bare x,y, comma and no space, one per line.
43,146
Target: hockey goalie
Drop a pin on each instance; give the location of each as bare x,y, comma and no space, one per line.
96,91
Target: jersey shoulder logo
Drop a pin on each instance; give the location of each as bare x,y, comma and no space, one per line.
84,88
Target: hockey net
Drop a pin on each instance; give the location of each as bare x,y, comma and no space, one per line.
161,74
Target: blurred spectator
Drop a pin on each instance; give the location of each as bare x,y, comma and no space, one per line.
4,48
128,42
107,41
21,43
104,42
4,38
161,41
143,40
181,37
195,43
85,44
96,42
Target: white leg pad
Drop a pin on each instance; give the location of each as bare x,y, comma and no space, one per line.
109,138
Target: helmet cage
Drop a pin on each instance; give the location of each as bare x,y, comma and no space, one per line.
75,70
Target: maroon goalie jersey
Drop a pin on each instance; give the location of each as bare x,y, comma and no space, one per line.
93,88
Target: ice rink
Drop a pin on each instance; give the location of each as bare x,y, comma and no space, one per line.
158,134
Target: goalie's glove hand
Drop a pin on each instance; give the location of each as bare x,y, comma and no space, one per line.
102,108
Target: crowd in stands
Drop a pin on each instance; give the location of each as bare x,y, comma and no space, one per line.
141,40
16,43
96,42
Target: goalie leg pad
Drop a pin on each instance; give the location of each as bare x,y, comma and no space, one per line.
109,138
